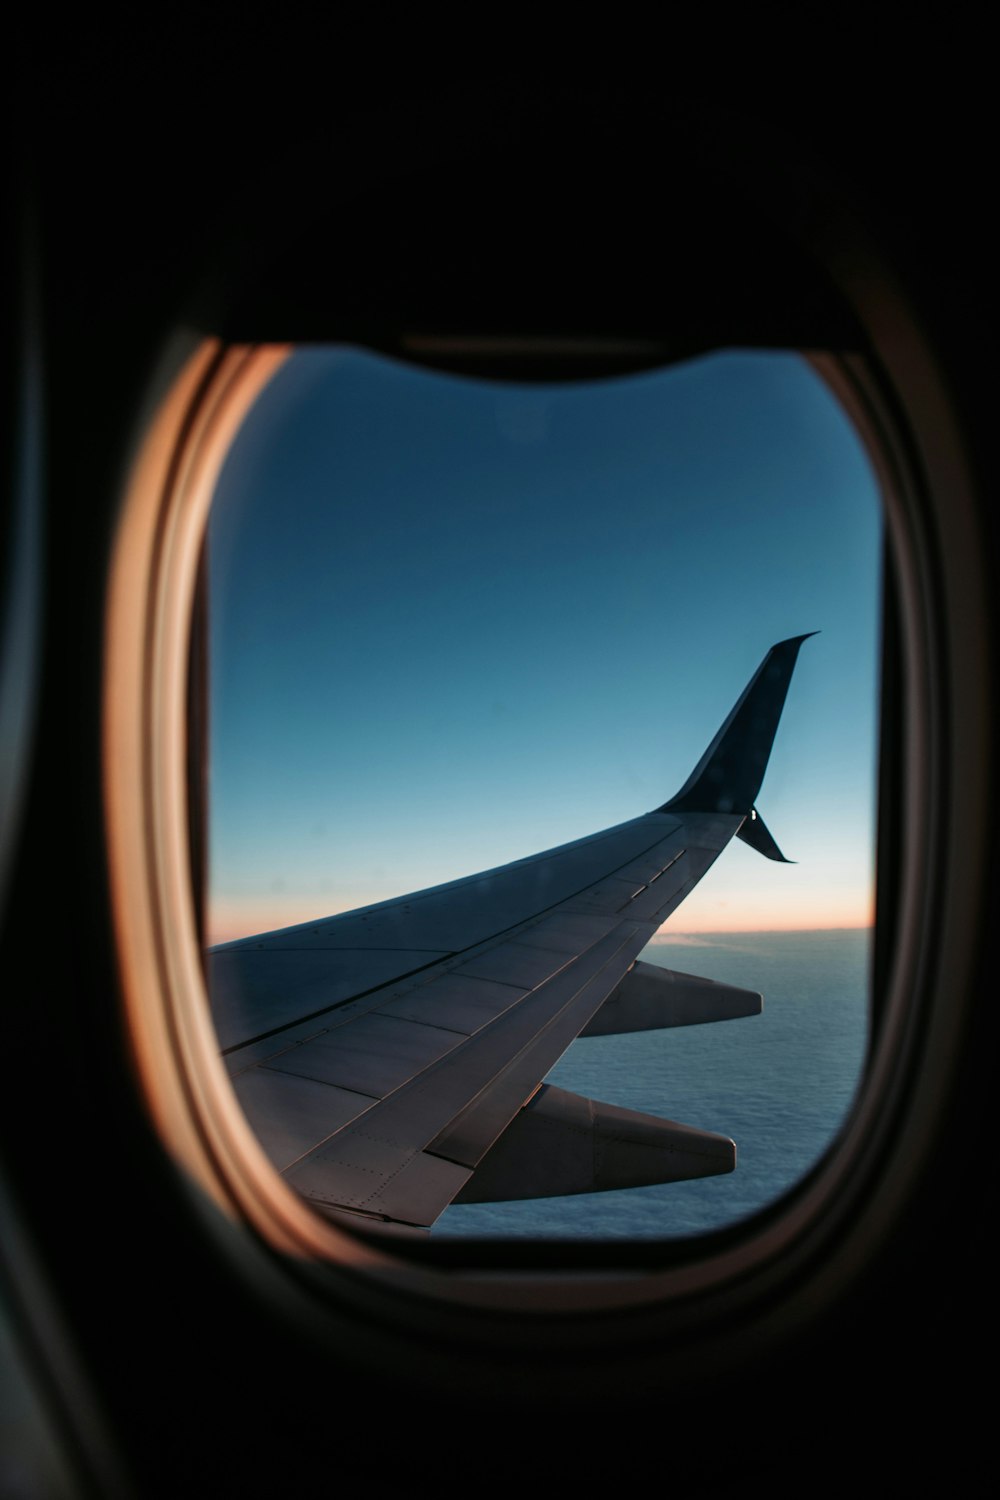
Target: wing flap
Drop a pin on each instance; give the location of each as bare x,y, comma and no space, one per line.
291,1115
417,1191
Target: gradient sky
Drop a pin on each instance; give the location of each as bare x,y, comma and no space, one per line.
455,622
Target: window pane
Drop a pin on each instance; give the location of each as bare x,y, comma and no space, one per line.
453,623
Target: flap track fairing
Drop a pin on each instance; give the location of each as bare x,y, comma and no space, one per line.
562,1143
651,998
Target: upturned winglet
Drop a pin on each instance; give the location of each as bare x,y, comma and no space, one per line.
729,774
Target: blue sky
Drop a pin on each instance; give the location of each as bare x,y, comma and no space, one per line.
454,622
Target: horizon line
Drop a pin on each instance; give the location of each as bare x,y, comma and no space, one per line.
225,933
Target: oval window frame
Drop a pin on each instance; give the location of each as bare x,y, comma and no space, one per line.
803,1246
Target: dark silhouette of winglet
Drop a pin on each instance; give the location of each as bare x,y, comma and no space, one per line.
729,774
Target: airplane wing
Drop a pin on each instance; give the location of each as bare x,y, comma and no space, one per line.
391,1059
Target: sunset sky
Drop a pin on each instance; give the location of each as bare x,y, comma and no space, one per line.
455,622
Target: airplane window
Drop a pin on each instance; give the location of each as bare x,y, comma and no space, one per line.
452,623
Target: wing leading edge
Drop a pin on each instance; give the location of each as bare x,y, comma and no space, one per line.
391,1059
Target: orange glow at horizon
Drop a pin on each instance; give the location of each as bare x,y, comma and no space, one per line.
702,912
806,911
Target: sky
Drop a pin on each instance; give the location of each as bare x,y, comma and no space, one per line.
454,622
